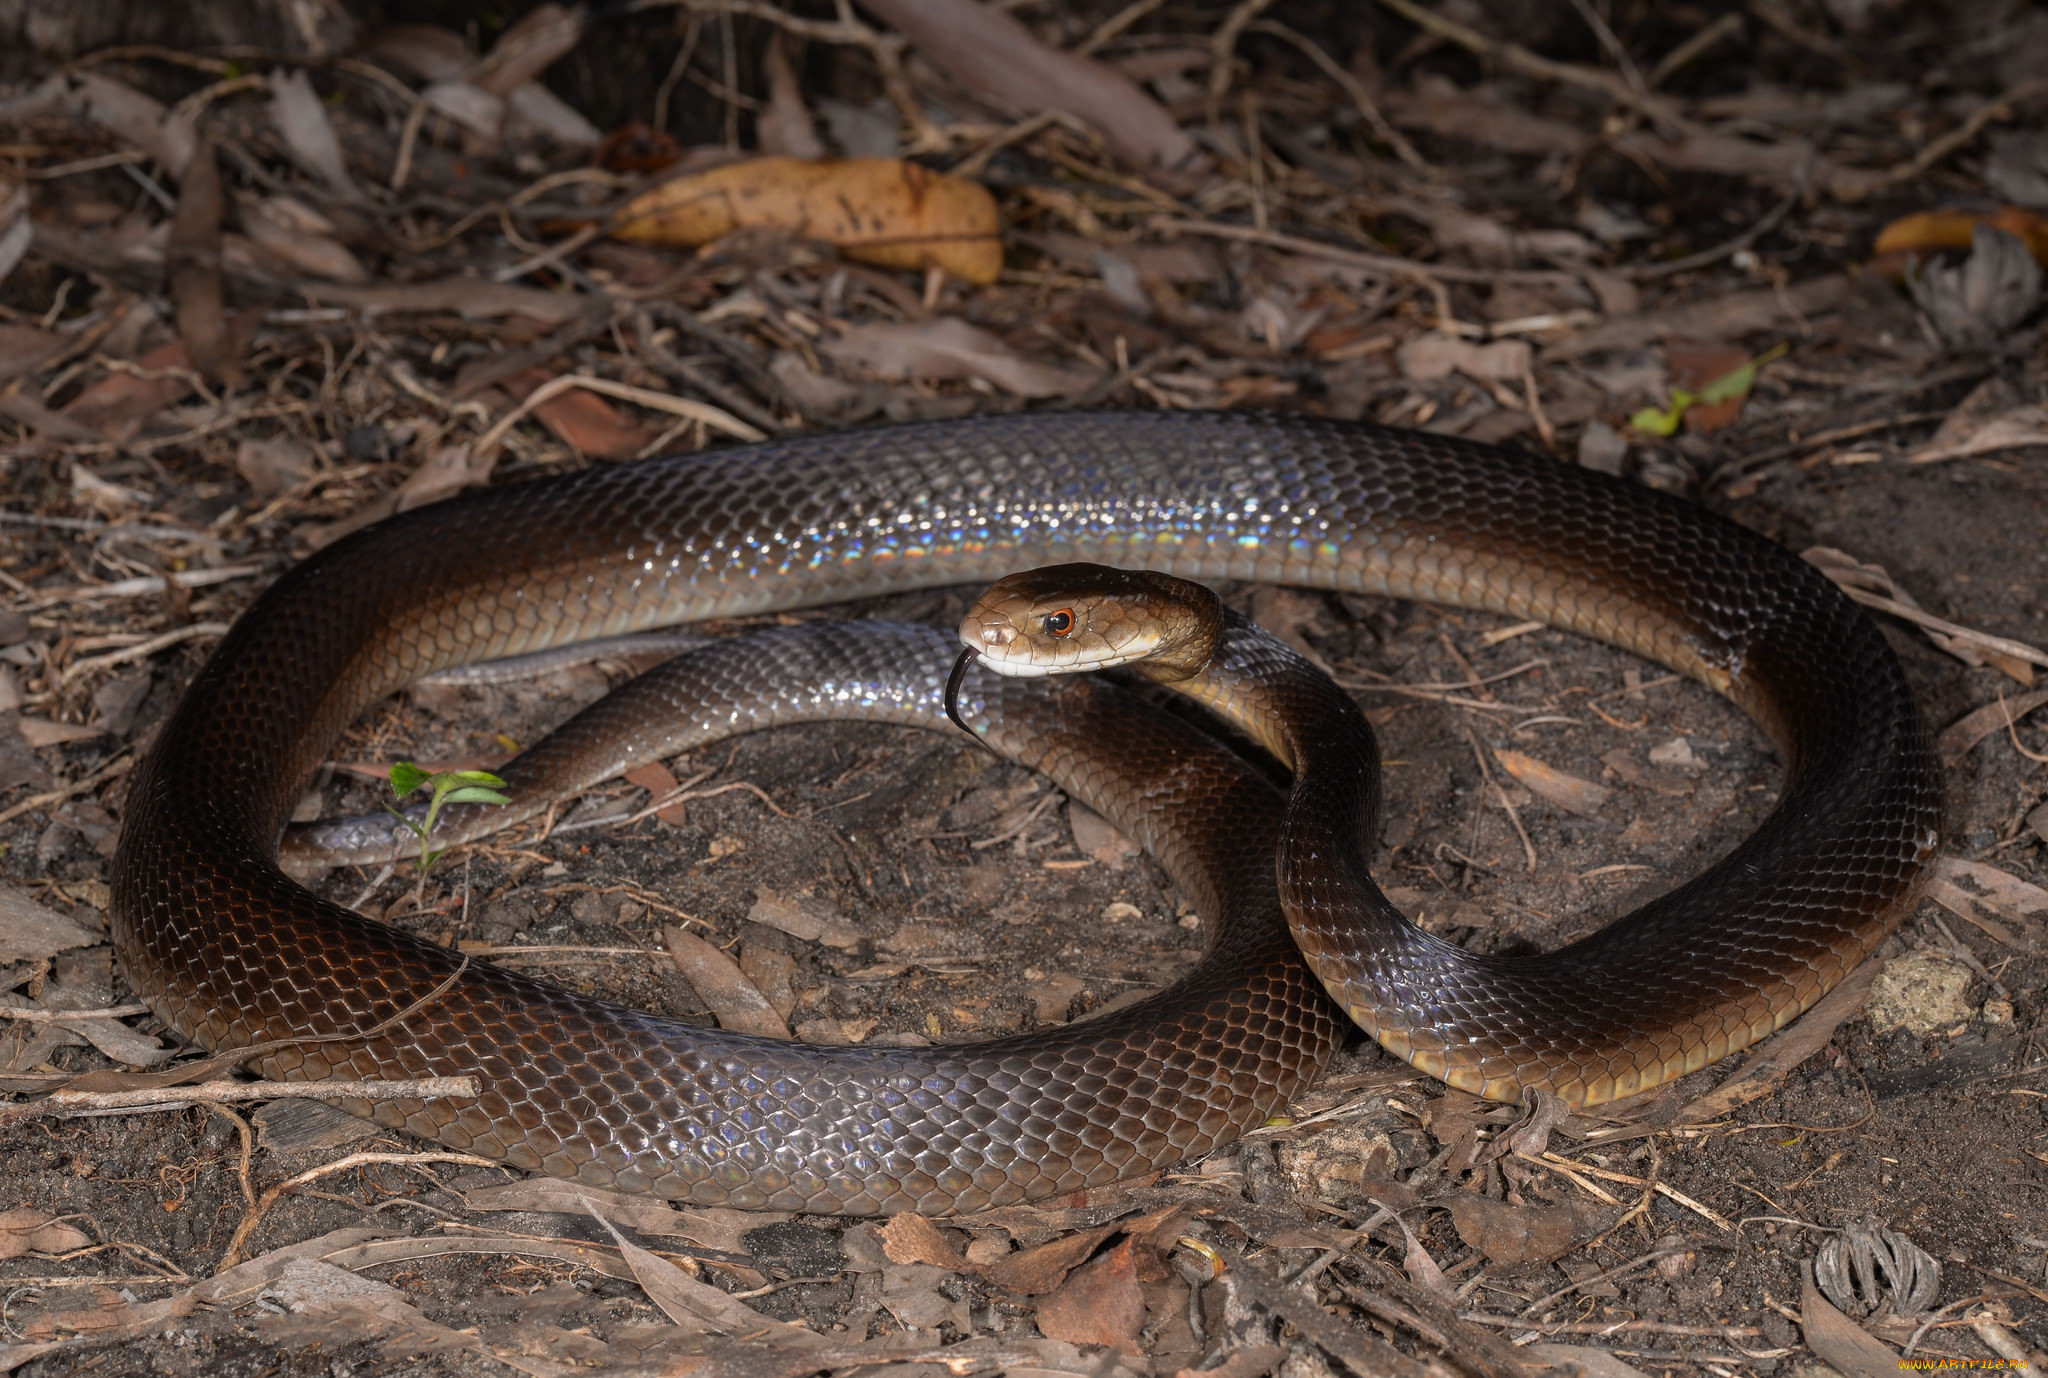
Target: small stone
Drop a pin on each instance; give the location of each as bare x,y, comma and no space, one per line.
1921,992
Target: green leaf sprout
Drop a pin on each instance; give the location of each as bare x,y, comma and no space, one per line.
446,787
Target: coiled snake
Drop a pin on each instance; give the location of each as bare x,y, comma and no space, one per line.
230,952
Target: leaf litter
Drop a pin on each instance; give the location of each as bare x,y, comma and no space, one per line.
249,304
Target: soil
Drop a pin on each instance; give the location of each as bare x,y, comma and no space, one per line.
985,904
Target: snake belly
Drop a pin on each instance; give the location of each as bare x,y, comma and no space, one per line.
203,919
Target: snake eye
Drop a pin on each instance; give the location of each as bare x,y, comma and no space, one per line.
1059,623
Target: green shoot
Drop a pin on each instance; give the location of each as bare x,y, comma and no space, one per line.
447,787
1733,384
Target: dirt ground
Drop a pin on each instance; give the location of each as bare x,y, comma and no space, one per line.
979,901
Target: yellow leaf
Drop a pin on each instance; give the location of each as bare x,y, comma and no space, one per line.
882,211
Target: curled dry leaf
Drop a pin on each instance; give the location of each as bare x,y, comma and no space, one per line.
1977,303
882,211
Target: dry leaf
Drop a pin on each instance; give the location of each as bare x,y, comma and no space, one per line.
29,932
1978,435
470,297
193,253
275,465
1694,365
803,919
1840,1342
30,1230
1099,1304
296,110
1568,792
696,1305
447,469
110,1318
2006,893
877,210
279,226
1974,726
584,421
784,128
948,347
1930,232
658,780
1433,356
167,137
910,1238
992,54
722,986
1514,1236
17,231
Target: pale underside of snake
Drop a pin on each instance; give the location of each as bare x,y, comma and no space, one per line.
233,953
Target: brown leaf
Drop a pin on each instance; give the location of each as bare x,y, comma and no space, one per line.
471,297
910,1238
193,254
447,469
882,211
1623,763
1433,356
1568,792
1099,1304
658,780
24,349
284,229
721,984
1840,1342
119,402
274,465
2011,897
1928,232
804,919
948,348
1038,1270
698,1305
1973,727
1514,1236
992,54
1696,363
542,36
784,128
112,1317
583,421
1961,437
296,109
29,932
31,1230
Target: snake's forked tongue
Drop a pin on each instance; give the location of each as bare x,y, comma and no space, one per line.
967,658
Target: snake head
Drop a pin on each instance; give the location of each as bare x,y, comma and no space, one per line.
1070,619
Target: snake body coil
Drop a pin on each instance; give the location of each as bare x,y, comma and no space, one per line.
230,952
